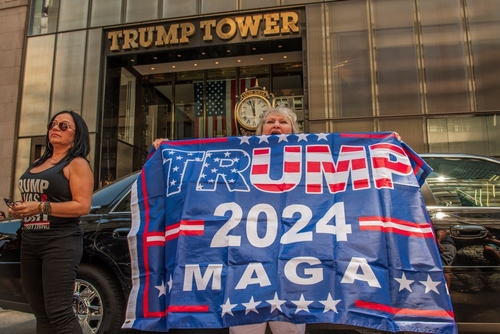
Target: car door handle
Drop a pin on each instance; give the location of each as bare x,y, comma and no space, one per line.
465,231
121,232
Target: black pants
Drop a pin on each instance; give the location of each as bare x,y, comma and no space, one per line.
48,271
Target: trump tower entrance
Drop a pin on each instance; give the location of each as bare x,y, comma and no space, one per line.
179,92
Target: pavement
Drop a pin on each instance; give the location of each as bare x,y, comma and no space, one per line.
12,322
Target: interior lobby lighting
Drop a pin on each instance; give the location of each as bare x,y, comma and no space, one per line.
221,62
152,68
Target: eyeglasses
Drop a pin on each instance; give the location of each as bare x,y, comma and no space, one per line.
63,126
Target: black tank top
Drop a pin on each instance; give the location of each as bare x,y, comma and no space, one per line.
49,185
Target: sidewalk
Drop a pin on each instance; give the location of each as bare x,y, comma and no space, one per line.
12,322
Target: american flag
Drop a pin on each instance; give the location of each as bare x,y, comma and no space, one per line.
219,105
220,100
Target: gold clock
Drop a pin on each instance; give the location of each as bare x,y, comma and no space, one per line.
249,108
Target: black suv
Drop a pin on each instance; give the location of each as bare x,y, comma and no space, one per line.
462,197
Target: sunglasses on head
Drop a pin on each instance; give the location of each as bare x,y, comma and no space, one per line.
63,126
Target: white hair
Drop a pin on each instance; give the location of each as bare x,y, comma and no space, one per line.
284,111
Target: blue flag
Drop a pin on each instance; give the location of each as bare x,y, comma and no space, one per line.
305,228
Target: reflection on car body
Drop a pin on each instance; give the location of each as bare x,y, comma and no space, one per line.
464,189
462,196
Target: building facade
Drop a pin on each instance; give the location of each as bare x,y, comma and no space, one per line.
137,70
13,16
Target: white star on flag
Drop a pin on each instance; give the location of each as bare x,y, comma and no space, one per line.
227,307
263,139
322,136
430,285
330,304
276,303
282,138
404,283
302,136
244,139
161,289
302,304
251,306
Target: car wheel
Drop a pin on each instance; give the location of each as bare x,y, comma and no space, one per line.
98,301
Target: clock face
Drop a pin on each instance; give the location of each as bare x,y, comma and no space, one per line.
249,110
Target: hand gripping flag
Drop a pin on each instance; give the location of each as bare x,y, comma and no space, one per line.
305,228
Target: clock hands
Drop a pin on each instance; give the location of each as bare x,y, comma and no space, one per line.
252,104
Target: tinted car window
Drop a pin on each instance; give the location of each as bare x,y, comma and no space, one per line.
108,195
124,205
465,182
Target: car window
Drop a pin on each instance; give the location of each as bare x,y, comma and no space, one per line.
465,182
124,205
108,195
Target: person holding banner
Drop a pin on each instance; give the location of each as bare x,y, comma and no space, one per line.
276,121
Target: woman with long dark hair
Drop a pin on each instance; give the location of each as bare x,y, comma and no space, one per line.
55,190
